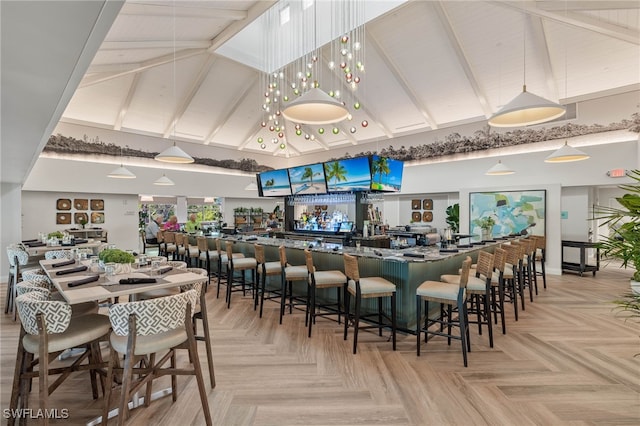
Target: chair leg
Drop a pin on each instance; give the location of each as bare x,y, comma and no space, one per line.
193,354
18,371
147,395
174,378
544,274
347,307
8,301
418,323
263,289
207,345
310,315
43,373
462,309
113,356
356,322
487,313
229,284
393,320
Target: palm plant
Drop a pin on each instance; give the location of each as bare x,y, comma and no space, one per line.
335,170
381,167
308,174
623,242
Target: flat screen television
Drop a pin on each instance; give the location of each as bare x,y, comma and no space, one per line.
386,174
346,227
307,179
274,183
351,174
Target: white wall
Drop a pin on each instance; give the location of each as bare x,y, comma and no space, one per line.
120,212
10,232
576,203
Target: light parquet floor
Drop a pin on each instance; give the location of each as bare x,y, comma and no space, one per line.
569,360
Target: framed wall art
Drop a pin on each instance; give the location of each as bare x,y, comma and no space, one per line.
512,212
97,204
63,218
63,204
415,204
80,218
97,217
416,216
427,204
427,216
81,204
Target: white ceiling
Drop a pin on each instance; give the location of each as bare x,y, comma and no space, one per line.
429,65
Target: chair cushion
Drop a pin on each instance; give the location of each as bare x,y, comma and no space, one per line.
450,279
476,284
150,344
327,278
438,290
244,262
81,330
372,285
293,273
271,268
213,255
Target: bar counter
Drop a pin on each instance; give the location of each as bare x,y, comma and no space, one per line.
406,268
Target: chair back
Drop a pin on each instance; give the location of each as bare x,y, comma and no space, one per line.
24,287
198,285
499,259
464,274
153,316
160,236
259,254
512,254
351,268
219,246
283,256
308,257
541,241
17,254
484,266
177,237
55,314
169,237
229,248
58,254
203,244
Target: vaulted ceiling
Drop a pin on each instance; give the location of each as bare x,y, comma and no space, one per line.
429,65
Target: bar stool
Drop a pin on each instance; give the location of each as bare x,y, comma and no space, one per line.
192,253
239,264
265,270
367,288
541,256
445,294
321,280
524,269
170,247
530,262
222,260
479,291
498,281
206,256
181,247
161,245
513,264
289,274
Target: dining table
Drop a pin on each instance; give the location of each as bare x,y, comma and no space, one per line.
70,281
39,249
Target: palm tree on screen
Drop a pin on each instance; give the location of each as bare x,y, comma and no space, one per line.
335,170
381,167
269,183
308,174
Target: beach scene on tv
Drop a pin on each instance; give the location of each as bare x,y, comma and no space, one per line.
307,179
386,174
275,183
351,174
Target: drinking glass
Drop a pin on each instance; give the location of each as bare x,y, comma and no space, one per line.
358,245
110,269
155,267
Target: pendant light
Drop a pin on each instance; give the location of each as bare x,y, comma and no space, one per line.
566,154
526,109
499,169
174,154
315,107
121,172
164,181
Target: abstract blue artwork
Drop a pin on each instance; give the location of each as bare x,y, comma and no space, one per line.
513,212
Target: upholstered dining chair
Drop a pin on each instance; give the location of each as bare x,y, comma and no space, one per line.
47,329
200,313
143,329
367,288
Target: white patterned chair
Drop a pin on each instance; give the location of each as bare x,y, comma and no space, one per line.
58,254
18,258
77,309
47,329
140,331
163,292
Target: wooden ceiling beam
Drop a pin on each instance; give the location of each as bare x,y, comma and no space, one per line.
231,111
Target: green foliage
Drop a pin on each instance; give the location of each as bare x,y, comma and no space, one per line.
116,256
486,222
623,242
55,234
453,217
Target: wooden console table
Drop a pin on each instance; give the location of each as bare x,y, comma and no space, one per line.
581,267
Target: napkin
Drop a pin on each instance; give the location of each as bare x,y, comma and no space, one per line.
65,263
164,270
72,270
87,280
138,281
35,244
30,241
80,241
414,255
464,246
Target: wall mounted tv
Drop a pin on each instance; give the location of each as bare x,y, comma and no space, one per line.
307,179
386,174
351,174
274,183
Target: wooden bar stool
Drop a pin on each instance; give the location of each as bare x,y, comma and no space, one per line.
498,281
265,270
321,280
367,288
289,274
449,295
222,260
239,264
541,256
478,291
513,264
206,256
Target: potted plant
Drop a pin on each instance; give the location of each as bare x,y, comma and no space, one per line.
486,224
121,258
453,217
623,221
82,221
